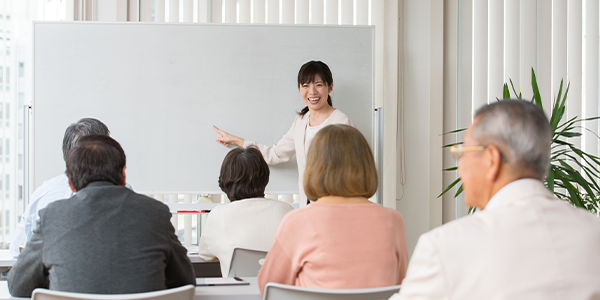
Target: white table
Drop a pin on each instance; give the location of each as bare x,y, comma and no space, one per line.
236,292
6,260
232,292
207,269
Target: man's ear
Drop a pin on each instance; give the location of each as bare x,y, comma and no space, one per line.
123,179
71,186
494,158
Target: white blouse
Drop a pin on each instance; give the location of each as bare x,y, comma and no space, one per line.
293,143
248,223
311,131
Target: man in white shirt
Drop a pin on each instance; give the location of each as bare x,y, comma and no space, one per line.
525,244
53,189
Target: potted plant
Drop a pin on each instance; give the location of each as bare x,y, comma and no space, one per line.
577,186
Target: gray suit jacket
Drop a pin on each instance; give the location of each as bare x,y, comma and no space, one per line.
104,240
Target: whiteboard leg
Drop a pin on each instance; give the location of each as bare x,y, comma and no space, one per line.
187,223
174,218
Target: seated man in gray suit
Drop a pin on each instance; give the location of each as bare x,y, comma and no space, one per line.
53,189
106,239
525,244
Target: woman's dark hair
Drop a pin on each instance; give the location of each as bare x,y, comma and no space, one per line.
307,75
95,157
244,174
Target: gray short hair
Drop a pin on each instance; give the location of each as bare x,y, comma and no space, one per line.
83,127
521,132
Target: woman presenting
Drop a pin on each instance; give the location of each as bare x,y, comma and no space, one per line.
315,82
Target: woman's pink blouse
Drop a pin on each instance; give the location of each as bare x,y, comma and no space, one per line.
338,246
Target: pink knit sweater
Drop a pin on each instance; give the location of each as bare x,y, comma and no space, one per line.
338,246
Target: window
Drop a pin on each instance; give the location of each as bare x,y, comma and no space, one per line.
7,147
7,182
13,163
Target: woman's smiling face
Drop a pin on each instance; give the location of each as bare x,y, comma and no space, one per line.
315,93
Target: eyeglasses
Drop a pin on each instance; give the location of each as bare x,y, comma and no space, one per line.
458,150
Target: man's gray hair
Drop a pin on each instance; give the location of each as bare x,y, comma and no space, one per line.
521,132
83,127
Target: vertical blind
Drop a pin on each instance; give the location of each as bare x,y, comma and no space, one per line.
341,12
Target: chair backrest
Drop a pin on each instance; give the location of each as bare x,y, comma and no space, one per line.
289,292
246,262
186,292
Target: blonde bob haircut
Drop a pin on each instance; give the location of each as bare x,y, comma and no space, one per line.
340,163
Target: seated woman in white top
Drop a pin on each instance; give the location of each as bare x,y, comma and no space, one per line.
250,220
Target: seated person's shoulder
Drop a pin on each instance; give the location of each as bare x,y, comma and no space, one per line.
59,180
280,204
252,206
380,212
146,201
54,188
257,201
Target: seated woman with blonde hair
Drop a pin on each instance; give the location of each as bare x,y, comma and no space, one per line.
342,240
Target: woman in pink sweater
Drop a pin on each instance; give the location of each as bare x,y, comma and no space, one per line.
342,240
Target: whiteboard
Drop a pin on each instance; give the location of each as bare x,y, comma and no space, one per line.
160,87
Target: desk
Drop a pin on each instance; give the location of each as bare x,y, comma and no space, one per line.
241,292
6,260
201,267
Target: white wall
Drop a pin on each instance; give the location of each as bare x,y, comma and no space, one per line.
421,116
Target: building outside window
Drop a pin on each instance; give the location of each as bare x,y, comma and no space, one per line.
16,18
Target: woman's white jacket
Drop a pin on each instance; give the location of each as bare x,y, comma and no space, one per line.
293,143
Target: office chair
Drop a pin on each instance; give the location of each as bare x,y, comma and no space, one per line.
246,262
275,291
186,292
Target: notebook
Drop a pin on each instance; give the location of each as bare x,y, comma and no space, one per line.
214,281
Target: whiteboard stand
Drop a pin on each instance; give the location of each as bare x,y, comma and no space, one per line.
379,152
26,113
